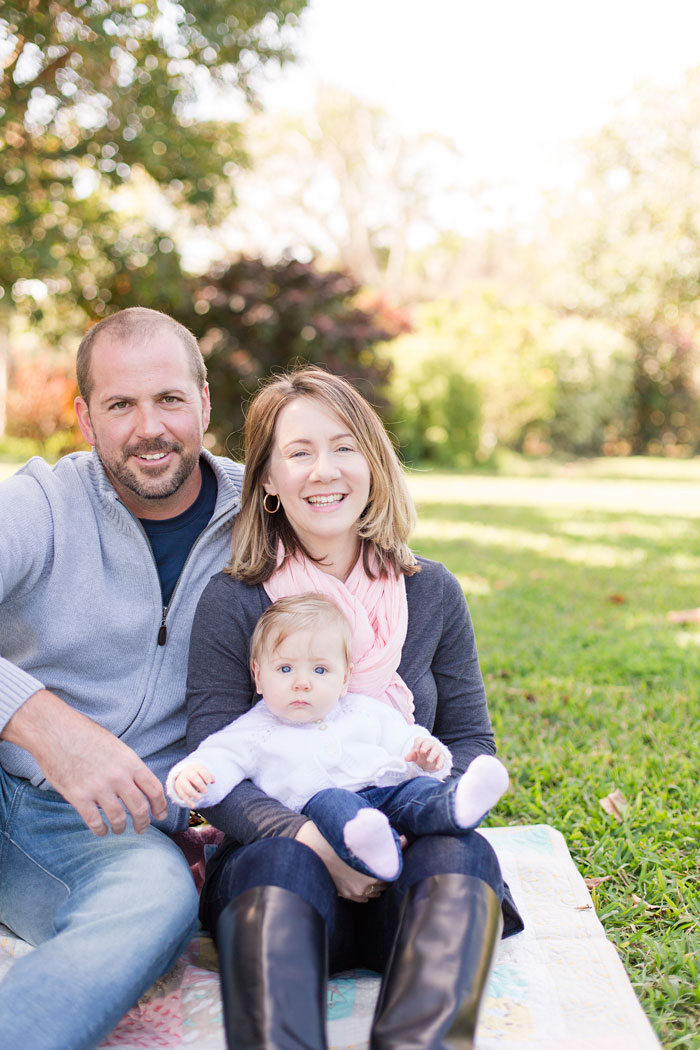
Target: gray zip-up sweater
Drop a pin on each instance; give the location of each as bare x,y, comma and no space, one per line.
81,608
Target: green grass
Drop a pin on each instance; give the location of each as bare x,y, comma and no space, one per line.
591,688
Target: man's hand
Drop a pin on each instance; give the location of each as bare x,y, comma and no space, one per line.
354,885
192,782
427,754
87,764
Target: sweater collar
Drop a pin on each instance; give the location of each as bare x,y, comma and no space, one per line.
229,480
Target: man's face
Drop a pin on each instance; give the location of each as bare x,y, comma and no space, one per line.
146,419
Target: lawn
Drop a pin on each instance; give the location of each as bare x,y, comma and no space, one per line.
570,573
569,578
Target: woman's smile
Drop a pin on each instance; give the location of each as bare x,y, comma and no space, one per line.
326,501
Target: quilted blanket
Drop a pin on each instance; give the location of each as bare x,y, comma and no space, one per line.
558,984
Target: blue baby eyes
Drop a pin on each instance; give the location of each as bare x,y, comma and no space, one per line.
287,669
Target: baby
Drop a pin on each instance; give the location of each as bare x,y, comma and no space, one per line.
350,763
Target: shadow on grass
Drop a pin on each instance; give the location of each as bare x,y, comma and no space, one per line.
583,595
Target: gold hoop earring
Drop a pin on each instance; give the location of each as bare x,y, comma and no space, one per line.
265,506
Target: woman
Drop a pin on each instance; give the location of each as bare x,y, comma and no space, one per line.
325,507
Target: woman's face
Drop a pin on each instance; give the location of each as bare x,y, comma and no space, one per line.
320,475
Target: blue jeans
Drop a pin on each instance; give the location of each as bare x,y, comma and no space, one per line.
419,806
109,915
360,935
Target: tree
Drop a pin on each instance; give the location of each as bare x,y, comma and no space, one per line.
345,184
630,254
97,97
474,374
103,149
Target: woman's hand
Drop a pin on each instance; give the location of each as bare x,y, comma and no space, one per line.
351,884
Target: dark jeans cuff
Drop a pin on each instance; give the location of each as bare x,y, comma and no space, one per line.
279,862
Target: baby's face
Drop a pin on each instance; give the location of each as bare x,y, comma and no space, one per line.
302,679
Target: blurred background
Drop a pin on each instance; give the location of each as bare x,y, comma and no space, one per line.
486,214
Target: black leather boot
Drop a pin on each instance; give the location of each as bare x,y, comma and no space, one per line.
439,965
273,958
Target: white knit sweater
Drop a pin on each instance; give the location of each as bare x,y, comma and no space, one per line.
360,743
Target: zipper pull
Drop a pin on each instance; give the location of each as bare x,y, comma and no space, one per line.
163,630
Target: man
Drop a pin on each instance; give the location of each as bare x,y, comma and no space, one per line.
102,561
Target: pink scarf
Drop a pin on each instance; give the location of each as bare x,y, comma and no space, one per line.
378,614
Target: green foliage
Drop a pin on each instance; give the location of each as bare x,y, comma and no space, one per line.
484,374
14,451
592,688
252,318
98,99
498,351
592,401
629,252
438,414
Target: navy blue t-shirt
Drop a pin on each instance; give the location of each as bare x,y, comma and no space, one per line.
172,539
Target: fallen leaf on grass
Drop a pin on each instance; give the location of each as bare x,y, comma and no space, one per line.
513,690
596,880
638,900
615,804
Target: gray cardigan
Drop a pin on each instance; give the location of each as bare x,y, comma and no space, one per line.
80,607
439,664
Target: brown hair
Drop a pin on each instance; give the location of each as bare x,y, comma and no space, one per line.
136,322
300,612
386,521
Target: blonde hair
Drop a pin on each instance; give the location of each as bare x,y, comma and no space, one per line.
137,323
300,612
385,523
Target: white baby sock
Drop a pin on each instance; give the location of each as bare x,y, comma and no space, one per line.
370,838
479,789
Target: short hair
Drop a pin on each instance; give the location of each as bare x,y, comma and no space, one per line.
386,521
136,322
299,612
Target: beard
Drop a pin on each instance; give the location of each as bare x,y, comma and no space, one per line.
155,486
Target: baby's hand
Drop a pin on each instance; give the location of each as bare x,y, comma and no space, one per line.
427,754
191,783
